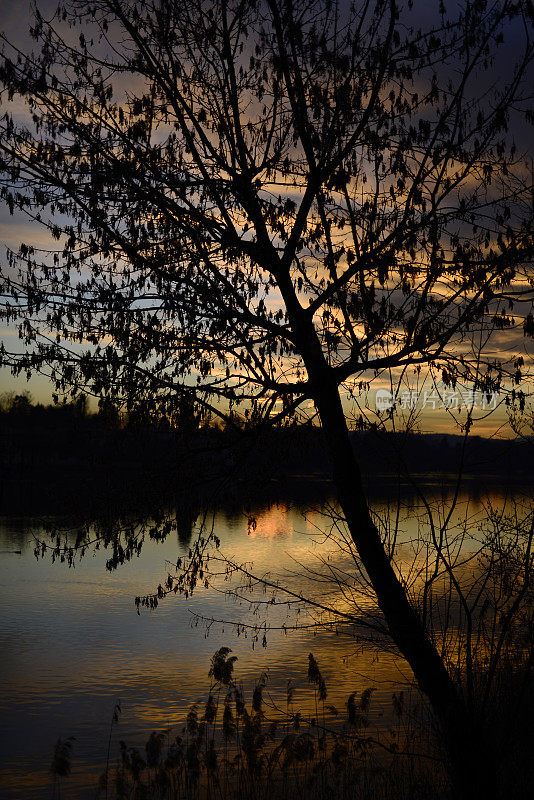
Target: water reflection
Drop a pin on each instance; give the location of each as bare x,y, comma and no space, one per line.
72,642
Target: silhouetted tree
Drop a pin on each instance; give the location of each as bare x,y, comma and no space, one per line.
258,205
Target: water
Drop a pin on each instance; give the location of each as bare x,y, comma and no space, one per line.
72,643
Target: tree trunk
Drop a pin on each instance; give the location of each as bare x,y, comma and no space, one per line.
472,767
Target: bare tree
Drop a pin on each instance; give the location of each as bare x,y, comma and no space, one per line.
258,205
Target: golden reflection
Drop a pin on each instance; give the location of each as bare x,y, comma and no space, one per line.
158,663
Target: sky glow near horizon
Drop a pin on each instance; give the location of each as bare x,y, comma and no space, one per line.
13,230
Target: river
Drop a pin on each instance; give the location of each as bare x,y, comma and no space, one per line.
73,644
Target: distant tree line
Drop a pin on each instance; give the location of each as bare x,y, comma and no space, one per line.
33,434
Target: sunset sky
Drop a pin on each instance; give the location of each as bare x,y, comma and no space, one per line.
433,415
260,535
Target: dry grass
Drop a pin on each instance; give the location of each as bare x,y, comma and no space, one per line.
229,749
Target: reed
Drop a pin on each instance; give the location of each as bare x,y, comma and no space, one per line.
232,749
